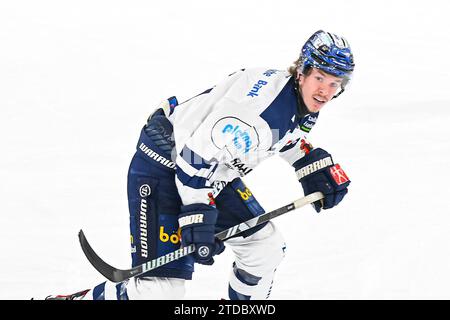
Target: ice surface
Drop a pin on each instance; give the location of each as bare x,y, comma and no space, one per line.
77,82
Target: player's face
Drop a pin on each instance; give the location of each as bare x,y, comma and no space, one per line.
318,88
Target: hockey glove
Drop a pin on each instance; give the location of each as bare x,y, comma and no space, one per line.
317,172
197,223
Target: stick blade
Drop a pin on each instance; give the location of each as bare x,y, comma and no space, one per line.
101,266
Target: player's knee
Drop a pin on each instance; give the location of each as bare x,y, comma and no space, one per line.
264,253
274,248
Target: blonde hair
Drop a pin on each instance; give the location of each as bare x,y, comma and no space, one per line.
293,69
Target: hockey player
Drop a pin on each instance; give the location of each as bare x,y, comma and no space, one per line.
184,181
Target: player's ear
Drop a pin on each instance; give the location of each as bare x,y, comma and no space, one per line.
300,78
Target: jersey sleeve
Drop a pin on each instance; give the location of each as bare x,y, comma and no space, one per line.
295,150
295,145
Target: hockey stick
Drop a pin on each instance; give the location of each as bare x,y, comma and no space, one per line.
117,275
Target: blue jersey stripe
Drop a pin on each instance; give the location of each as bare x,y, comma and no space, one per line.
193,159
193,182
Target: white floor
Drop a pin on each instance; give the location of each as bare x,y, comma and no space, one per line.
77,82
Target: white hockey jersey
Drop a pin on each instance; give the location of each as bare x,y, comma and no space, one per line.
228,130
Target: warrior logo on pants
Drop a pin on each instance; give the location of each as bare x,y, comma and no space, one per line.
144,191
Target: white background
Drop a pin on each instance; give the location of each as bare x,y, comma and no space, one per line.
79,78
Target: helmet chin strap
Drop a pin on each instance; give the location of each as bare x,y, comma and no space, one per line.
337,95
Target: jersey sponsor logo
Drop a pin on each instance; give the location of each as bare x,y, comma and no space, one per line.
239,166
270,72
308,123
174,238
192,219
339,175
312,119
235,133
313,167
156,157
241,138
245,195
254,92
